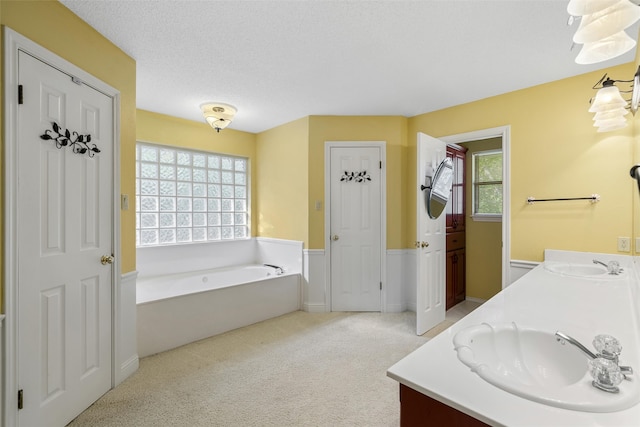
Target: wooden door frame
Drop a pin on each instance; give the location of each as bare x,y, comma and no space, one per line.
13,44
503,132
382,145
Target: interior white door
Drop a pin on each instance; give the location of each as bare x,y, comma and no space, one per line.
430,241
355,227
65,227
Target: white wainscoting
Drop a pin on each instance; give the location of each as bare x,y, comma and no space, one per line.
126,348
400,274
519,268
314,283
399,294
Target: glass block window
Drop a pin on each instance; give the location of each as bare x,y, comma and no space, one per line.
185,196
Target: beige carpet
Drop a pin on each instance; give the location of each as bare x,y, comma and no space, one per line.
301,369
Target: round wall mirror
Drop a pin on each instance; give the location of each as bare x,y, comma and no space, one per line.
438,193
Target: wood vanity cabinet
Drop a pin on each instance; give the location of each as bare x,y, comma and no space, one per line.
416,409
455,229
456,275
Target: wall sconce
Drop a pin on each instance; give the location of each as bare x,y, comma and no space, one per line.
217,114
601,29
609,106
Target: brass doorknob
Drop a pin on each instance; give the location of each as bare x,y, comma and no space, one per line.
424,244
335,237
106,259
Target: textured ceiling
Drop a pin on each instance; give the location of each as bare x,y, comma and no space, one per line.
278,61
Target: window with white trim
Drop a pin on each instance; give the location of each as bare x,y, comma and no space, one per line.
487,185
185,196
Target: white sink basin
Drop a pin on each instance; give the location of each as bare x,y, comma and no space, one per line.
532,364
579,270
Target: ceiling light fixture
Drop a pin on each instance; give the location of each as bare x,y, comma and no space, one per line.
601,30
609,106
217,114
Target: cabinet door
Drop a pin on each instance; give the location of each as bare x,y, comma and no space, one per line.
451,275
459,285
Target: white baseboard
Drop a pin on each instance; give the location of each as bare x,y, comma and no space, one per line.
314,308
129,366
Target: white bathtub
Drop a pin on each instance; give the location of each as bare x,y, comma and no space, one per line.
177,309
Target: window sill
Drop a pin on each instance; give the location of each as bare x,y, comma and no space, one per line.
486,218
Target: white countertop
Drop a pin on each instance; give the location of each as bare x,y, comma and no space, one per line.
582,308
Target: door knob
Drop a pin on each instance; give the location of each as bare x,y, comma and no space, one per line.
335,237
106,259
424,244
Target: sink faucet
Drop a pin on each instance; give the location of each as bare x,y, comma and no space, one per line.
613,267
605,370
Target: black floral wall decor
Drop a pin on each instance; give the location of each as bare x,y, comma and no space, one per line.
80,144
355,176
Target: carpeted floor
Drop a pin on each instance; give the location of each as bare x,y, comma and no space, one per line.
301,369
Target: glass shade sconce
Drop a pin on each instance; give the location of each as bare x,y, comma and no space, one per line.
609,107
601,30
218,115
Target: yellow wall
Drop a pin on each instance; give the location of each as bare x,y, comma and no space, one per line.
555,152
54,27
282,183
393,130
483,239
635,124
168,130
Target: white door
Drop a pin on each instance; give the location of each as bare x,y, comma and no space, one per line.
430,242
64,227
355,227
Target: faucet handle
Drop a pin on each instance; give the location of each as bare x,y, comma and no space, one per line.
606,374
607,346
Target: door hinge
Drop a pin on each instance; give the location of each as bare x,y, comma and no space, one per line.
380,164
380,285
19,399
20,98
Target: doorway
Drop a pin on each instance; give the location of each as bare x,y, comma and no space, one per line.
503,135
355,225
61,226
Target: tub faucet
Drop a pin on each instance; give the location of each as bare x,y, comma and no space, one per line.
279,270
605,370
613,267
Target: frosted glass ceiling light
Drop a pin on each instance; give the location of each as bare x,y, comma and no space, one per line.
217,114
605,49
607,22
587,7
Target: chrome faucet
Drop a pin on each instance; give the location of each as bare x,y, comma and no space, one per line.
613,267
279,270
605,370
